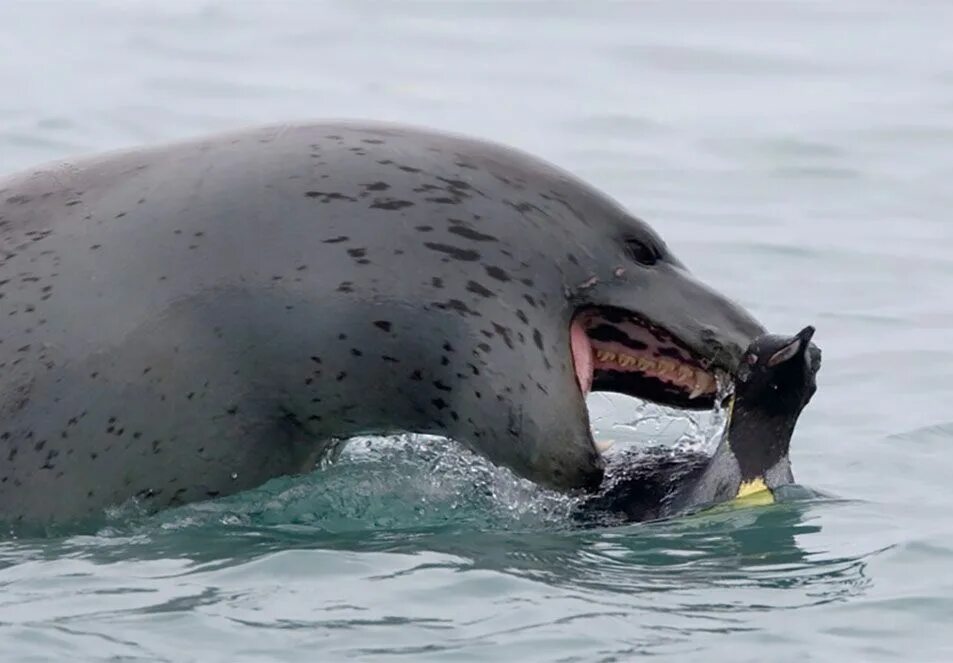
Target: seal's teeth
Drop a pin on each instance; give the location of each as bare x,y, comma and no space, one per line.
686,374
605,355
703,384
665,367
602,446
698,389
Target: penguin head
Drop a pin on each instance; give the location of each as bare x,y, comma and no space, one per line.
777,374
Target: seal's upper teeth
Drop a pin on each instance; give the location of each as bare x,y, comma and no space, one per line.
703,384
665,366
697,389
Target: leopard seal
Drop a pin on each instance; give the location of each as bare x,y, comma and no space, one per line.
190,320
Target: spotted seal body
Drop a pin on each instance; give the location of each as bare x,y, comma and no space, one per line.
190,320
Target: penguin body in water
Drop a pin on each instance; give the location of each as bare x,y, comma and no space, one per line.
776,381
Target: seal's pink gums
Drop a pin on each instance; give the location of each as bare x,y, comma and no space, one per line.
581,355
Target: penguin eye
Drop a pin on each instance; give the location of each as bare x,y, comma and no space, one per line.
641,252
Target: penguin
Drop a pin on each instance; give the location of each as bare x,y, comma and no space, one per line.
776,381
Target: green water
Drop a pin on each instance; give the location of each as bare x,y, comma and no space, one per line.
795,154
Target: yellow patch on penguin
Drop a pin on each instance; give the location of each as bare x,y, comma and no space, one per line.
754,493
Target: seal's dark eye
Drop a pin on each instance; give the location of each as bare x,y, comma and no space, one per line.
641,252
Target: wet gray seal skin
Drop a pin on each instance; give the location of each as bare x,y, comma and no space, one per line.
188,321
775,383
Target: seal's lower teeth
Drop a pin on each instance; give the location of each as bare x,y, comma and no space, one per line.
602,446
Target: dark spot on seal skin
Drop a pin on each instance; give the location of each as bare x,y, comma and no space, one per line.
522,207
383,325
538,339
390,204
441,386
377,186
409,169
436,282
345,287
497,273
356,352
529,299
505,333
342,337
443,200
372,141
337,240
469,233
357,253
73,202
328,197
484,346
455,184
423,229
439,403
458,306
392,360
454,252
340,376
527,282
522,316
416,376
476,288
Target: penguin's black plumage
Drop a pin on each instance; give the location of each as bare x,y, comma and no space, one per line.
775,383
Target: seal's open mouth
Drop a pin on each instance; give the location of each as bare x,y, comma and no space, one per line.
614,350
